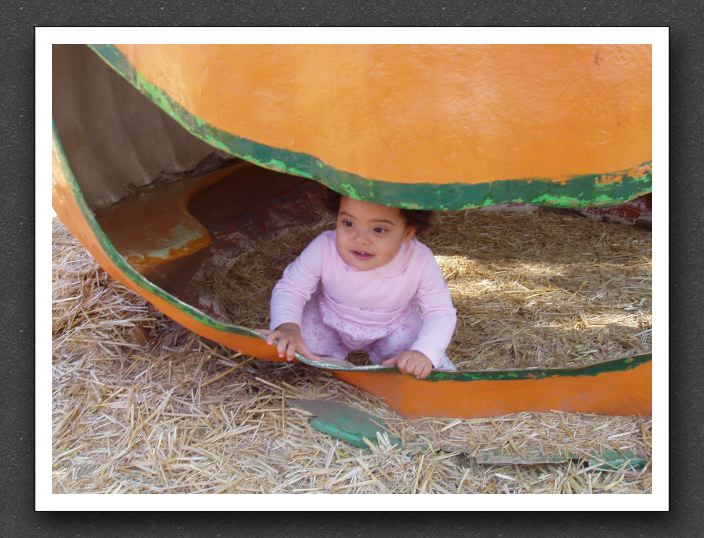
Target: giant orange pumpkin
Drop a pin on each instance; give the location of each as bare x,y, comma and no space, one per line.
420,126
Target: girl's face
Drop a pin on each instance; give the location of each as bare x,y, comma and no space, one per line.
369,235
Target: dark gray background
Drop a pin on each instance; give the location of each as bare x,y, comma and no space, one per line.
18,20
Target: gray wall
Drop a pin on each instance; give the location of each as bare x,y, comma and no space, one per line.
116,140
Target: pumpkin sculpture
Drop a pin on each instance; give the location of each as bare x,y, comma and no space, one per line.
442,127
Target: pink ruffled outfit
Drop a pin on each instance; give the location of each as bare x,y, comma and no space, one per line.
402,305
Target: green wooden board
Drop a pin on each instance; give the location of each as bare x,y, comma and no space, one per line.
607,460
346,423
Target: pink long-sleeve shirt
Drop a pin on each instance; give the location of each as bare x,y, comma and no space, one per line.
377,297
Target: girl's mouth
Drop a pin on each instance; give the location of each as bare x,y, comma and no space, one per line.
361,255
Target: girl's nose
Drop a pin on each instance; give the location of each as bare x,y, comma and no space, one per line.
362,237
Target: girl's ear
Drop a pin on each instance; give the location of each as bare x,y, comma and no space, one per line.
409,233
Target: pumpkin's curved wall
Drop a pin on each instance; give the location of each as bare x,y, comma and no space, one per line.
115,138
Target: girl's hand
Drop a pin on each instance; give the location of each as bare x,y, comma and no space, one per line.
412,362
287,339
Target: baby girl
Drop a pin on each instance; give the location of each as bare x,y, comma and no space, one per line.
369,285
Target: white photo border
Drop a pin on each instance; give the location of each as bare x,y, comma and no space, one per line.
658,37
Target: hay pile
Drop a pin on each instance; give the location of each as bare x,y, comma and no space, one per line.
541,289
140,405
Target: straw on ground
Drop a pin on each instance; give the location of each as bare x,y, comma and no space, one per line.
141,405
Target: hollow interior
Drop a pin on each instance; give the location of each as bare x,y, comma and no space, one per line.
163,197
539,288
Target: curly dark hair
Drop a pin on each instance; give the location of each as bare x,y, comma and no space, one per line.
419,219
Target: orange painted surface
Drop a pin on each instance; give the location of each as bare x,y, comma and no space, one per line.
139,237
611,393
422,113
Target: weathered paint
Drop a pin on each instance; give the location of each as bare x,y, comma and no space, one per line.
352,425
615,387
638,211
617,365
617,168
615,392
147,242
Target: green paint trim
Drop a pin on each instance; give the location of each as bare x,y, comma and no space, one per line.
587,190
505,375
592,370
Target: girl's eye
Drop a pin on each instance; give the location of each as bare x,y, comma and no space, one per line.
347,223
379,230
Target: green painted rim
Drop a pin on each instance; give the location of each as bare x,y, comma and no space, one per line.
616,365
587,190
